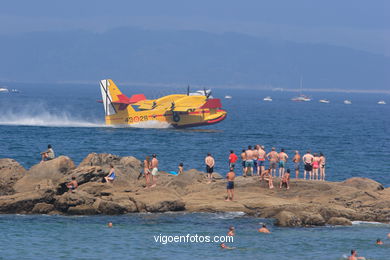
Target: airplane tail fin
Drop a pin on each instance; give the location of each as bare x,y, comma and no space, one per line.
109,91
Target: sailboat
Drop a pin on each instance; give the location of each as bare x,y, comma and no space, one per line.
301,97
326,101
347,102
269,99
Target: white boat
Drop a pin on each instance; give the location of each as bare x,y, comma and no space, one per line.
326,101
228,97
269,99
382,102
4,90
301,97
347,102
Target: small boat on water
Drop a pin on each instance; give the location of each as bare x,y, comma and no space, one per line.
325,101
347,102
382,102
4,90
14,90
301,98
228,97
269,99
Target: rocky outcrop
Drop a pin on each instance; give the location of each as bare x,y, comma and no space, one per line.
42,190
10,172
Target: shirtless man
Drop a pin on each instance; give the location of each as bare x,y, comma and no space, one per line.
273,159
255,155
296,160
243,159
264,229
154,167
322,166
308,162
285,180
268,178
230,184
72,185
282,162
260,160
209,161
354,256
249,161
147,171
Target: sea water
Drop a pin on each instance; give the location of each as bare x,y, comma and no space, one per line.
354,138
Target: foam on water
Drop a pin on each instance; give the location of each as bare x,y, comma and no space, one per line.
45,119
152,124
369,223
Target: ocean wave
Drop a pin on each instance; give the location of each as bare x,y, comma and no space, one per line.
358,222
227,215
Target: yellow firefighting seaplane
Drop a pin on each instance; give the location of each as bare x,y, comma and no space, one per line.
178,110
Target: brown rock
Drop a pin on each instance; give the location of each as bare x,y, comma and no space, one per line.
44,175
82,210
363,184
23,202
42,208
287,219
334,221
10,172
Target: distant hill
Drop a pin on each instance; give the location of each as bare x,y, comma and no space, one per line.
187,57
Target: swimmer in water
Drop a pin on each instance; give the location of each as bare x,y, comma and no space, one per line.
109,224
264,229
231,231
354,256
223,246
379,242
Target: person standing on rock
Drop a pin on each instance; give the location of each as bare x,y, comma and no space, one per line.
147,166
249,161
316,166
308,162
255,156
243,159
260,160
273,159
210,162
48,154
230,184
296,160
282,162
154,167
322,166
232,159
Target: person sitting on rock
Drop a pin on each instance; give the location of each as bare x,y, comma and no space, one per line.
72,185
48,154
268,178
264,229
111,176
285,180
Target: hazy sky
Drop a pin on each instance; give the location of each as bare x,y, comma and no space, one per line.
361,24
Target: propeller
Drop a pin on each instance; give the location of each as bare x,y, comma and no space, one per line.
207,94
188,90
172,105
